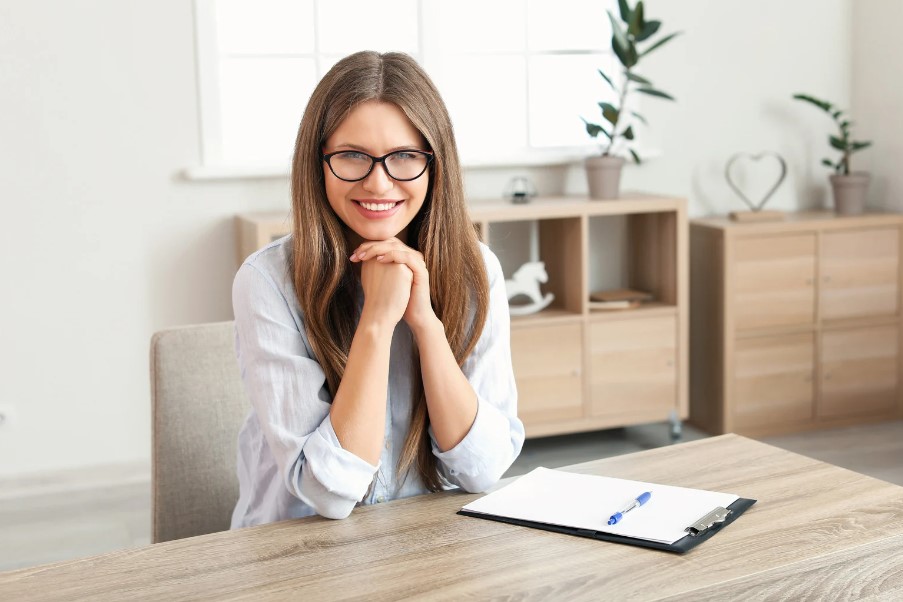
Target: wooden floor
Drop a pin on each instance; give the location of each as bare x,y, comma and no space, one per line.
58,517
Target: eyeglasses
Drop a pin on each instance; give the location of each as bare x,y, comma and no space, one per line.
402,165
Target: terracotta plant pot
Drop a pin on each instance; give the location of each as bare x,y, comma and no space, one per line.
603,174
850,192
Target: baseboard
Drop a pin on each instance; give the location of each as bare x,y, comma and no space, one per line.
75,479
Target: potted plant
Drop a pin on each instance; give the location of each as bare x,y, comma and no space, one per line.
849,187
628,32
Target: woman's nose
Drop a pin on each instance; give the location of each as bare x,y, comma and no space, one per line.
378,180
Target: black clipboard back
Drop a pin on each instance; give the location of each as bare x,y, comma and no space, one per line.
685,544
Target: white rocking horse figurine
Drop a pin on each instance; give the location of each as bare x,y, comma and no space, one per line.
526,281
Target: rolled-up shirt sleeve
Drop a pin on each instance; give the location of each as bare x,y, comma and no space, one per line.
287,389
497,435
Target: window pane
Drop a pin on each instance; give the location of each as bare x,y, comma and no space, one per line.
265,26
481,26
562,90
569,24
262,100
486,97
353,25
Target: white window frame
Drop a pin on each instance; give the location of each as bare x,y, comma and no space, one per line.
213,166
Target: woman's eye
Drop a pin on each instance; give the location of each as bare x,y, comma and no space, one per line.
353,156
405,156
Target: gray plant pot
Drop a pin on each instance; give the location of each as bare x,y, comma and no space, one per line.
850,192
603,174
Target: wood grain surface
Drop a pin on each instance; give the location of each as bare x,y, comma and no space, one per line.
818,532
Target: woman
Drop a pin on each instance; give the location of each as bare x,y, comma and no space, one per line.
374,341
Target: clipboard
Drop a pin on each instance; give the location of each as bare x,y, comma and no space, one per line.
666,528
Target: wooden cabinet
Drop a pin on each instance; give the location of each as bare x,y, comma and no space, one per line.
579,368
548,364
795,324
860,371
774,281
860,273
633,367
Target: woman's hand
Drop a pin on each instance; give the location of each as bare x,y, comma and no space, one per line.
393,252
387,290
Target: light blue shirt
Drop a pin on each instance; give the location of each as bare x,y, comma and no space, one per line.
290,462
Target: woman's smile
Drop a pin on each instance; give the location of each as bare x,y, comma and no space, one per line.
378,208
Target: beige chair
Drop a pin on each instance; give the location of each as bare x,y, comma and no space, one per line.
198,405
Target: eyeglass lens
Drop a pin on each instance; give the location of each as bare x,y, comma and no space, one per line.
400,165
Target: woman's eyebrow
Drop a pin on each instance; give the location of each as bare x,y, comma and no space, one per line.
391,150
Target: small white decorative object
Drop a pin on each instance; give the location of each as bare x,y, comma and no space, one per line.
526,281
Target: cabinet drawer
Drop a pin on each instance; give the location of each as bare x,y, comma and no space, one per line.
773,380
633,366
859,371
548,368
774,281
859,273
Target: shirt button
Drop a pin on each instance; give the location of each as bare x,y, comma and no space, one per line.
388,445
380,499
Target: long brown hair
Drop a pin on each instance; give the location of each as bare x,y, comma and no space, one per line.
322,275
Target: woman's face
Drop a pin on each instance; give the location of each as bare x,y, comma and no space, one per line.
377,207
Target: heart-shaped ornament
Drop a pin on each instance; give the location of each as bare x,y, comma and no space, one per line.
755,157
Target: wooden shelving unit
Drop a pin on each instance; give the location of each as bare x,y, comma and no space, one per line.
579,369
796,324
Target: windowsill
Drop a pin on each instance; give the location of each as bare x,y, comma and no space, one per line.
554,158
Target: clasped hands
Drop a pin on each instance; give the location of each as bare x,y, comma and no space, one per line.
396,282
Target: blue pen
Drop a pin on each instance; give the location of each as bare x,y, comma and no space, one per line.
639,501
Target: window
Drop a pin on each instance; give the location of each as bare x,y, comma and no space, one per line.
516,75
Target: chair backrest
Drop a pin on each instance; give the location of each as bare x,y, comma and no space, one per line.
198,406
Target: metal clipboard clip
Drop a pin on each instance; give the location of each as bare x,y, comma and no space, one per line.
715,517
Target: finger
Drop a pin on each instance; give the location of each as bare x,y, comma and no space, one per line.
410,258
381,248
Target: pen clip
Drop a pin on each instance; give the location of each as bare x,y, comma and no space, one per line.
716,516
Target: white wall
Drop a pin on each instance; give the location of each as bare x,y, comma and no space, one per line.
103,243
878,98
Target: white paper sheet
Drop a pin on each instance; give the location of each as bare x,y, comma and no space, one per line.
584,501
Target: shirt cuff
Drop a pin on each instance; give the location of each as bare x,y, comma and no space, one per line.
339,471
485,448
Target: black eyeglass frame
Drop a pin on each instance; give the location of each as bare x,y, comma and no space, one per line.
374,160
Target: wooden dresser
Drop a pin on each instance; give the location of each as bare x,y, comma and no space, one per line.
795,324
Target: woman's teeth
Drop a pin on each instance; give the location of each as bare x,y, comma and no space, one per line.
378,206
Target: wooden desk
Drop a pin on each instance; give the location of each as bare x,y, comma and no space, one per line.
818,532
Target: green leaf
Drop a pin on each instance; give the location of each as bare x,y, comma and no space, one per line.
610,112
639,117
836,114
636,20
607,79
858,146
837,143
594,129
625,10
628,133
654,92
821,104
627,56
827,163
649,29
638,79
661,42
635,156
619,42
